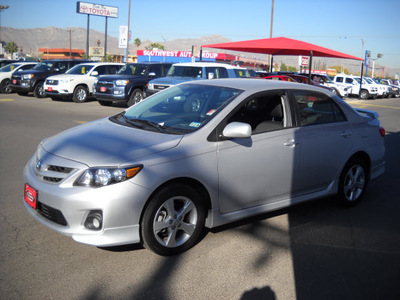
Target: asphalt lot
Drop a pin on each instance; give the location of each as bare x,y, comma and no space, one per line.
316,250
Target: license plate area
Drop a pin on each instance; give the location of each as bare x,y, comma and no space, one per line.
103,89
31,196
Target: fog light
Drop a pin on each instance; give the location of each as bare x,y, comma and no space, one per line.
94,220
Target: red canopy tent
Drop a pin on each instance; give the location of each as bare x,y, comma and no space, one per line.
282,46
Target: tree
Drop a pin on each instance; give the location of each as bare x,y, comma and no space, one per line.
340,69
155,45
11,47
283,67
137,42
292,69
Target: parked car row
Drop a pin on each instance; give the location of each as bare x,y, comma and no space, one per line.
108,82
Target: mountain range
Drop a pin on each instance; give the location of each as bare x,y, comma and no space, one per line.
30,40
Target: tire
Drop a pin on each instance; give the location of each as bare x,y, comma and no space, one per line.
105,103
38,90
364,94
353,182
136,97
173,220
5,86
80,94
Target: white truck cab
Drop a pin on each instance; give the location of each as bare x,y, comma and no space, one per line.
367,90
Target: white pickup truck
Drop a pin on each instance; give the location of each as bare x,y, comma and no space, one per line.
77,83
367,90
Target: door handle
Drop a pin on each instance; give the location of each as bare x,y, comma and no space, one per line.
291,143
345,134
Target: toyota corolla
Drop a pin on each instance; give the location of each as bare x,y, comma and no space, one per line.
201,154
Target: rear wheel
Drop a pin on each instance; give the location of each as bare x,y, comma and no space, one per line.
38,90
136,97
5,86
80,94
173,221
353,182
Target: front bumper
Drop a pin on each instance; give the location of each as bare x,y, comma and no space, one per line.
24,86
121,205
110,93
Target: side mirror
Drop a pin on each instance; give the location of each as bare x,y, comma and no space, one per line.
152,74
94,73
237,130
56,70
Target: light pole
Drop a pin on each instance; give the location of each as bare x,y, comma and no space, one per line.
2,7
379,55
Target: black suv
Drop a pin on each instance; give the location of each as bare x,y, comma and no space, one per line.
32,80
129,84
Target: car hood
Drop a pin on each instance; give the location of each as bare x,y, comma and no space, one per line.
105,143
173,80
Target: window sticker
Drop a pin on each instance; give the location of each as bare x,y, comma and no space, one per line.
211,112
83,70
195,124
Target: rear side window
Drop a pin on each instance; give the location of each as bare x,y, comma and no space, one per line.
317,109
339,79
216,72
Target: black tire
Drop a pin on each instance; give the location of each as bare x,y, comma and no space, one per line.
5,86
136,97
353,182
104,103
364,94
80,94
179,214
38,90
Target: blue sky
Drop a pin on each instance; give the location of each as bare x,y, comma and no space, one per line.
341,25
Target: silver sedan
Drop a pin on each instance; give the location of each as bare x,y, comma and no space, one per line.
201,154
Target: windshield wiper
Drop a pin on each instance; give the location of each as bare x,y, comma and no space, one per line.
140,123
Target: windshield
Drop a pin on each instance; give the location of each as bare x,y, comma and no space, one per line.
44,66
180,109
368,80
133,69
242,73
8,68
185,71
80,69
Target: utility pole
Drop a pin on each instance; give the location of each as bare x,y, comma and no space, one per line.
70,43
270,35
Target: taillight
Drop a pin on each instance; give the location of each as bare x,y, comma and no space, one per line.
382,131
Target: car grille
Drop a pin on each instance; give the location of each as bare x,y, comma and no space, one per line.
51,82
52,173
105,83
51,214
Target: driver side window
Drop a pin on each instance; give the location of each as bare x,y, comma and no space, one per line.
263,113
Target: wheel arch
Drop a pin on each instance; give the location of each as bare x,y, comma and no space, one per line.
193,183
364,157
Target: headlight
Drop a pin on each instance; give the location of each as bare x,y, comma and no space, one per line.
151,86
122,82
97,177
27,76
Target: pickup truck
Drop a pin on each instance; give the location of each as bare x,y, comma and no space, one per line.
77,82
129,84
32,80
367,90
182,72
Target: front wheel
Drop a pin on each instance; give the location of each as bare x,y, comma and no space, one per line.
353,182
80,94
5,86
136,97
364,94
173,221
38,91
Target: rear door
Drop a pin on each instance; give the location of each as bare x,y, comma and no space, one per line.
326,139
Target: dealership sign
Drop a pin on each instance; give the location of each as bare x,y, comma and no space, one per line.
96,9
180,54
304,61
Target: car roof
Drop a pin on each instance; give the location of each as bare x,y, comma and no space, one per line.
254,85
207,64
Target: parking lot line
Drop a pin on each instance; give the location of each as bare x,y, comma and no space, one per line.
6,100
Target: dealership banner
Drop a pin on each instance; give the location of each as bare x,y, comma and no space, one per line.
173,53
